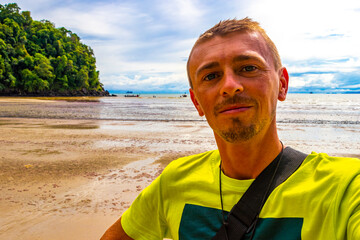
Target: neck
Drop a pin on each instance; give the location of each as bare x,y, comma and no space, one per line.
246,160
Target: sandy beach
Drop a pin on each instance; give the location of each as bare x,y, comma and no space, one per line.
72,178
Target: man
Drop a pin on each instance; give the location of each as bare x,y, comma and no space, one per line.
236,79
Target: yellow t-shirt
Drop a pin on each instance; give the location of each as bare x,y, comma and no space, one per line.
321,200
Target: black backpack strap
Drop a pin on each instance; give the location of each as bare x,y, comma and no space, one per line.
243,215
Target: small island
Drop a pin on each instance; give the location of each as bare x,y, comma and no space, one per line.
37,59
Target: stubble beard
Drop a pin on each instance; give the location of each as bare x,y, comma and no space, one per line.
239,130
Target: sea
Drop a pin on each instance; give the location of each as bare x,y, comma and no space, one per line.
329,120
333,109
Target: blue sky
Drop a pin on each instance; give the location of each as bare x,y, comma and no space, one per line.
143,45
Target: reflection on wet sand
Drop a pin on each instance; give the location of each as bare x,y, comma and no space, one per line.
73,126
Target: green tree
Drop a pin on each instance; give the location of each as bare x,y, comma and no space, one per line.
35,56
2,74
33,82
82,78
43,68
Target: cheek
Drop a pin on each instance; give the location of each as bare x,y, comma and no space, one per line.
259,90
265,94
206,95
207,103
269,86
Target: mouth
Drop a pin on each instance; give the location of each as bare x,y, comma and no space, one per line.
234,109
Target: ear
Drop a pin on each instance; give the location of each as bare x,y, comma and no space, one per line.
196,103
283,83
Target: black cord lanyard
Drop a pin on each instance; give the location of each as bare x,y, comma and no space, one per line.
225,222
222,205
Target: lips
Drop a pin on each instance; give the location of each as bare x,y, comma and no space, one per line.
234,108
234,105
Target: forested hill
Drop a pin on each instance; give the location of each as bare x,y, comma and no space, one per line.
38,59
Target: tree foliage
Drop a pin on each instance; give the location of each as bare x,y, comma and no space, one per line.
36,57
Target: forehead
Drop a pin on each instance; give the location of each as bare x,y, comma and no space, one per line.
222,48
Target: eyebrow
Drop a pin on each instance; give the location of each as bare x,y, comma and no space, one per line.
206,66
241,58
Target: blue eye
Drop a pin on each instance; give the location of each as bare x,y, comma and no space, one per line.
249,68
210,76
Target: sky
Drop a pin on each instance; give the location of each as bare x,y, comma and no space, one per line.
143,45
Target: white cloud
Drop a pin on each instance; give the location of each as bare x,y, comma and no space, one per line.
354,86
99,19
316,80
324,65
95,21
173,82
152,39
181,13
303,29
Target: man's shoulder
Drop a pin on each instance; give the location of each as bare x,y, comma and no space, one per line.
335,164
193,162
195,158
325,158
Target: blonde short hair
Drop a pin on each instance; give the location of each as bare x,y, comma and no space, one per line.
234,25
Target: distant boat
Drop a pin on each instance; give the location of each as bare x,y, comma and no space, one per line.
184,95
131,94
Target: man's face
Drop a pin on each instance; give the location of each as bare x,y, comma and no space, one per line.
236,86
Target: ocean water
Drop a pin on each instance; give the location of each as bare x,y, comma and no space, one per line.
320,122
327,123
334,109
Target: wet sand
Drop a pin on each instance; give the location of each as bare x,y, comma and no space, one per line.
71,179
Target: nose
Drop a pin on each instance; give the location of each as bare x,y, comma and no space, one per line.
231,84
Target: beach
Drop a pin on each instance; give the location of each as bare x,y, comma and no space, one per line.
69,169
71,179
